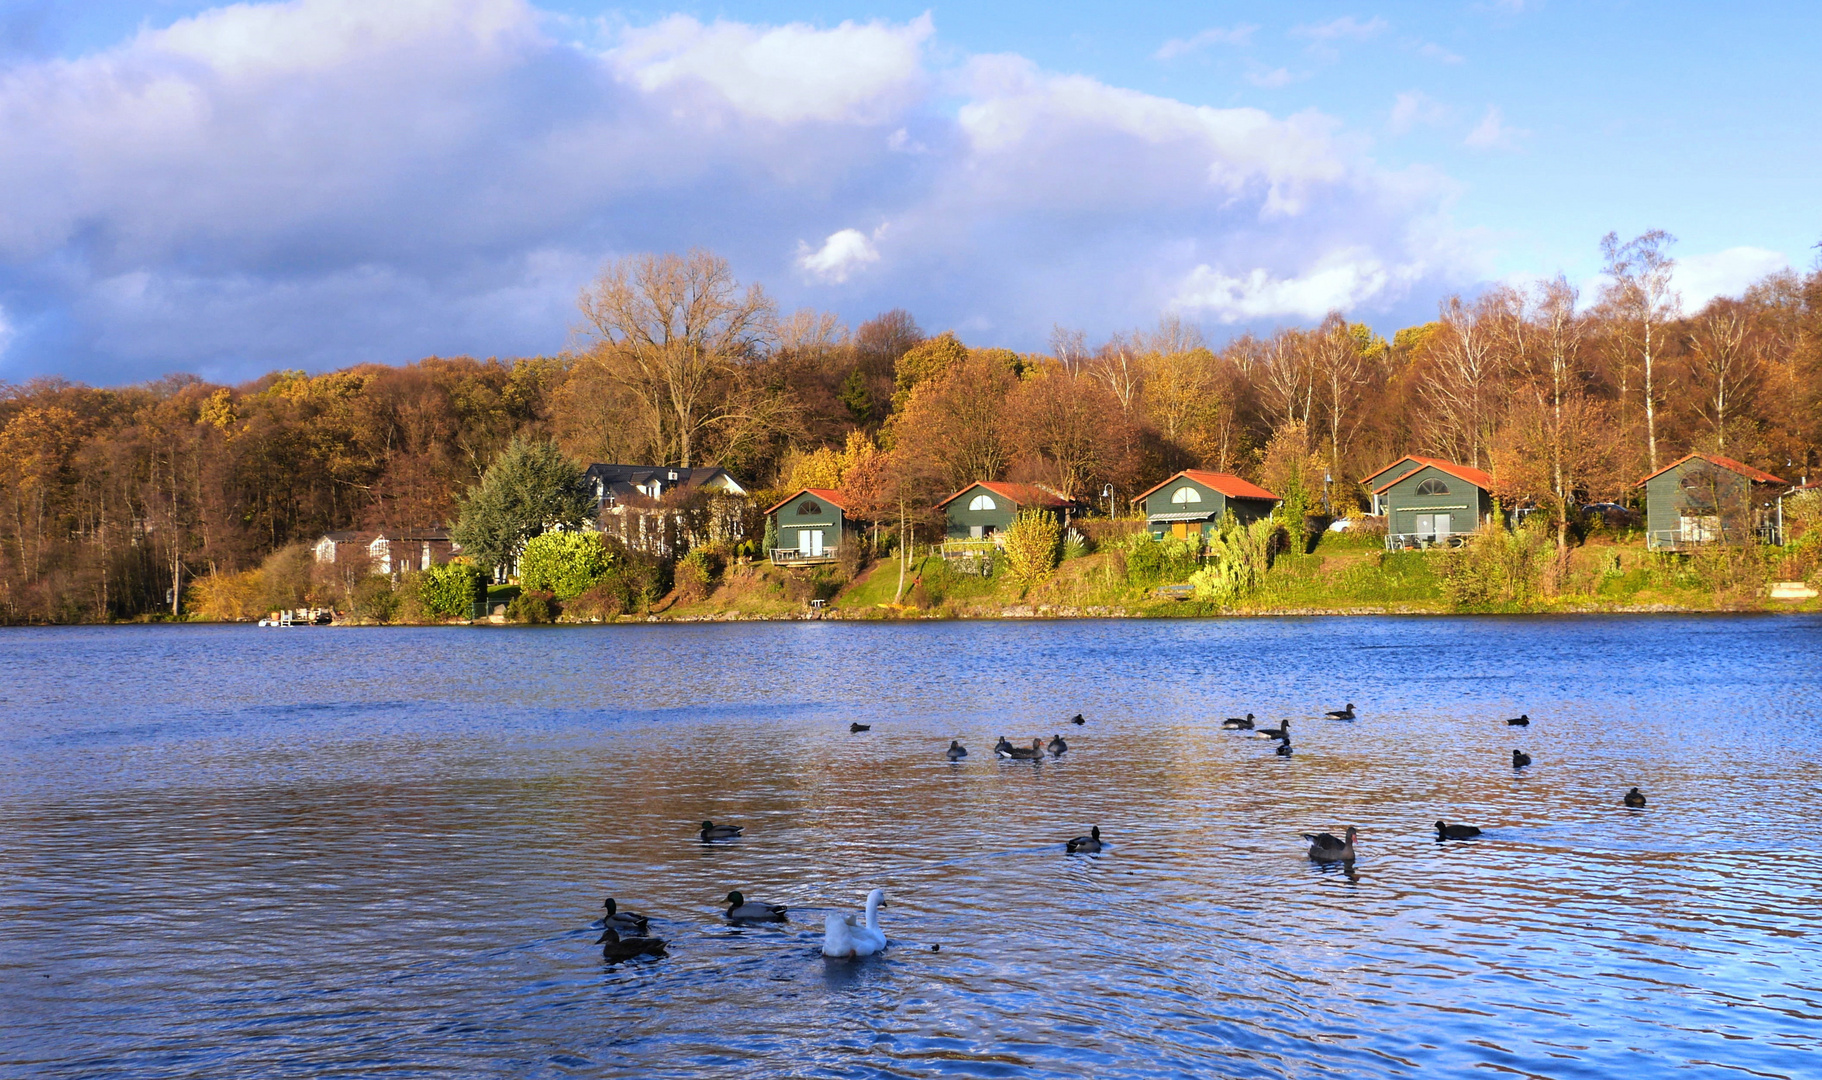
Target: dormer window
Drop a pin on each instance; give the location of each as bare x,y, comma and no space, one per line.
808,507
982,502
1432,486
1185,494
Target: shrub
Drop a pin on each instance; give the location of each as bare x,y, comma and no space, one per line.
564,564
1497,567
696,575
1238,558
227,597
1031,548
1075,545
606,600
533,606
374,599
1149,559
450,589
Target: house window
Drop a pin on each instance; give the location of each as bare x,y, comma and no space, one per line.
807,508
1432,486
982,502
1185,494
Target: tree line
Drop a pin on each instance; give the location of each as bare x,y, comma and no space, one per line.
113,501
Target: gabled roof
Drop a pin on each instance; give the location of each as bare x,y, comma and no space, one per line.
1226,483
349,536
624,481
1757,476
1021,494
1461,472
836,497
408,535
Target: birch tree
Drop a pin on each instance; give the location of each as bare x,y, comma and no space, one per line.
1643,301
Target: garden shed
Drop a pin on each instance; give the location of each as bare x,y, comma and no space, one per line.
1429,501
1192,503
808,526
986,509
1707,499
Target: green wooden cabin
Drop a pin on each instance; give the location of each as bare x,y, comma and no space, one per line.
810,526
984,510
1430,502
1705,499
1190,505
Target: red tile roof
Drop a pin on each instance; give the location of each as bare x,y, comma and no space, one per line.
1226,483
1461,472
1022,494
1756,475
836,497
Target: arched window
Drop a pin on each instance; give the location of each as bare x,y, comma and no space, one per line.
982,502
1432,487
1185,494
805,509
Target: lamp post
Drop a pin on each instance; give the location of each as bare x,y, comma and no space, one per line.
1107,493
1326,480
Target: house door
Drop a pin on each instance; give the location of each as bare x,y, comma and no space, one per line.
1180,529
1426,528
1442,528
809,543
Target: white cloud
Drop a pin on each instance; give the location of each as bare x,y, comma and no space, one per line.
1493,133
1701,278
1270,78
1432,51
320,182
1345,27
855,72
1241,34
1413,107
842,254
1345,280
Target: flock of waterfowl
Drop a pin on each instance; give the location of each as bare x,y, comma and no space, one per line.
624,934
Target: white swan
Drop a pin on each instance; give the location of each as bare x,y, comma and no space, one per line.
845,937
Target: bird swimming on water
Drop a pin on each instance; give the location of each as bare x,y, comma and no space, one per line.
1342,714
1019,753
1085,844
1635,799
1520,759
1002,746
1282,731
1284,749
615,948
1522,720
857,726
616,919
1455,832
1078,719
1057,746
956,750
712,831
740,909
1238,723
1325,847
843,937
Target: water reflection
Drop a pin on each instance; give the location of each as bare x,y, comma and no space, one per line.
256,854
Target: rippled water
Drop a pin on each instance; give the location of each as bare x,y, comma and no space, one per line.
314,852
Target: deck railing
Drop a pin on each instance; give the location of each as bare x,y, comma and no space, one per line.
968,549
799,557
1406,541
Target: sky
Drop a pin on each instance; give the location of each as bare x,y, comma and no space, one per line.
225,190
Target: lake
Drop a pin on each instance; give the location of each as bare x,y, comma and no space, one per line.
331,852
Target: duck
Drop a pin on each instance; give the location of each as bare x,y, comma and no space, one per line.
1342,714
1284,749
712,831
1325,848
1019,753
740,909
1520,759
956,750
1078,720
1057,746
857,727
1238,723
616,919
1521,720
1282,731
1002,746
1455,832
615,948
842,936
1635,799
1085,844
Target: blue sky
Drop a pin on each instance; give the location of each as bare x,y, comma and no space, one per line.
226,190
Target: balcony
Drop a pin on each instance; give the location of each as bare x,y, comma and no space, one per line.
1423,541
799,557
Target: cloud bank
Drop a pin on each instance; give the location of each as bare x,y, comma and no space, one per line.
322,182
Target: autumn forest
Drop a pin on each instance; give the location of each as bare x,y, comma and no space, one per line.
111,497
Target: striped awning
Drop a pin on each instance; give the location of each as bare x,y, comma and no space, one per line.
1190,515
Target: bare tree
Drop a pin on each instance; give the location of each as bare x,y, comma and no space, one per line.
1070,347
1643,302
676,331
1338,364
1461,386
1725,366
